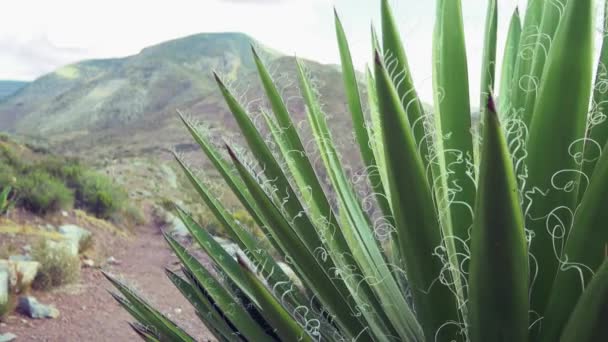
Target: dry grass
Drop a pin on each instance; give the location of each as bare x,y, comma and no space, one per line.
57,266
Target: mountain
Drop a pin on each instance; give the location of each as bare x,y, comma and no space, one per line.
116,108
8,87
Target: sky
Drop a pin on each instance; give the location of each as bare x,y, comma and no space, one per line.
38,36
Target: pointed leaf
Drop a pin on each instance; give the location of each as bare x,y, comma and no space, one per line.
584,252
508,64
415,217
499,261
285,326
555,139
588,321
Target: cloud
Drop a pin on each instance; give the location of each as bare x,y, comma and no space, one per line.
34,57
254,1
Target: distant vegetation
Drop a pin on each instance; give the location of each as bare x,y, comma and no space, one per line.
44,183
8,88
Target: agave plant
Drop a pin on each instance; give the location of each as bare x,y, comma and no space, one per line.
497,231
4,202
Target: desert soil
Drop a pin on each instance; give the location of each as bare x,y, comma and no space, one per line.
89,313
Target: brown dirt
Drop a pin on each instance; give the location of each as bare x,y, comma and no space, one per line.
88,312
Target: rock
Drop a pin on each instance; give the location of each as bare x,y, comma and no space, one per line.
233,250
7,337
177,228
88,263
30,306
112,261
177,311
27,249
20,257
64,213
229,246
171,223
75,233
4,288
21,273
221,240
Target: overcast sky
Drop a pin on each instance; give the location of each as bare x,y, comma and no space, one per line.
37,36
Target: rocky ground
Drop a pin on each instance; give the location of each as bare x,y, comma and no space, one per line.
86,310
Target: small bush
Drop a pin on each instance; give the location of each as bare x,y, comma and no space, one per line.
8,248
9,306
93,192
244,218
57,266
129,216
85,244
98,195
8,176
10,158
49,183
41,193
67,170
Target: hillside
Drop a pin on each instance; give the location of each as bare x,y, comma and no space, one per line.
114,108
8,87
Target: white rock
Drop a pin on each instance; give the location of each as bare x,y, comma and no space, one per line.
3,288
74,233
229,246
112,261
31,307
7,337
88,263
20,271
20,257
177,228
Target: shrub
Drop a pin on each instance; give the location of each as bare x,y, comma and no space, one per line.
9,306
99,195
93,192
10,158
48,183
41,193
7,175
57,266
130,216
85,243
243,217
8,247
67,170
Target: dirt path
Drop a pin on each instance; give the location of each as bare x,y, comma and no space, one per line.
88,313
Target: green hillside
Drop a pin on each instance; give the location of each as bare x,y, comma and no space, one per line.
8,87
124,107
